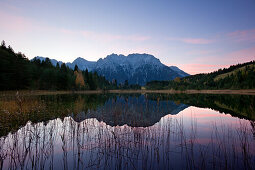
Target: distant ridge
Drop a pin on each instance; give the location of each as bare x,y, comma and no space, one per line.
136,68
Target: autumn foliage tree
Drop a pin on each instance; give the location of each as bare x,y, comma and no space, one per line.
79,80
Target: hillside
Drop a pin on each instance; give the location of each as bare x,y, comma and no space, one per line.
240,76
234,72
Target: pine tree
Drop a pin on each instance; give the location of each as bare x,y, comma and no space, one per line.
76,68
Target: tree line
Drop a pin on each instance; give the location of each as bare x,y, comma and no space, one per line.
240,76
17,72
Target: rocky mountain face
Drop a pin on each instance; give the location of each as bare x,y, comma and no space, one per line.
136,68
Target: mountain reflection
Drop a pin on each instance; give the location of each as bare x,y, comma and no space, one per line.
133,111
127,132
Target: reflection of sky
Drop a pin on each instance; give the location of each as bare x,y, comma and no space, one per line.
205,121
197,36
95,141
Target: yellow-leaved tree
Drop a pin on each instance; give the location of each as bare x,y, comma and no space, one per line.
79,81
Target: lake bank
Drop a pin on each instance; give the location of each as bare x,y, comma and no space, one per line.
48,92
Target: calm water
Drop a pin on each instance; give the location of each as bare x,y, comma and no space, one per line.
127,132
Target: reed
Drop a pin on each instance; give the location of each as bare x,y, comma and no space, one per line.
92,144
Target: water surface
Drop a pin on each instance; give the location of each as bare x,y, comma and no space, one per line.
150,131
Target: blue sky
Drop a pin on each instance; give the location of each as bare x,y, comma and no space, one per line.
197,36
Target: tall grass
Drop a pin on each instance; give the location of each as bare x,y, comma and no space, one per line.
91,144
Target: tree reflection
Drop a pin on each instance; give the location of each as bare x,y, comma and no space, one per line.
122,132
93,144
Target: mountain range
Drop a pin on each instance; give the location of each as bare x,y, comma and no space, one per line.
136,68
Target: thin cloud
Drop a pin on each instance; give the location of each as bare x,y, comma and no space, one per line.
243,55
96,36
66,31
199,41
12,22
236,36
25,24
242,35
200,52
112,37
22,24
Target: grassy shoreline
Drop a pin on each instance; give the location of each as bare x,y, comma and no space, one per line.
48,92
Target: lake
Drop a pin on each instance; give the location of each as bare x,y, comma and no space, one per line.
127,131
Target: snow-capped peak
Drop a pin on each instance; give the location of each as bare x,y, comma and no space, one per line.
136,68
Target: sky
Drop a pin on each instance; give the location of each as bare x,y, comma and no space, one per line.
196,36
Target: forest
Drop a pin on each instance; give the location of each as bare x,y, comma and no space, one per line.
17,72
240,76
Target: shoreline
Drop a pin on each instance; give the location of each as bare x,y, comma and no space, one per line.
48,92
